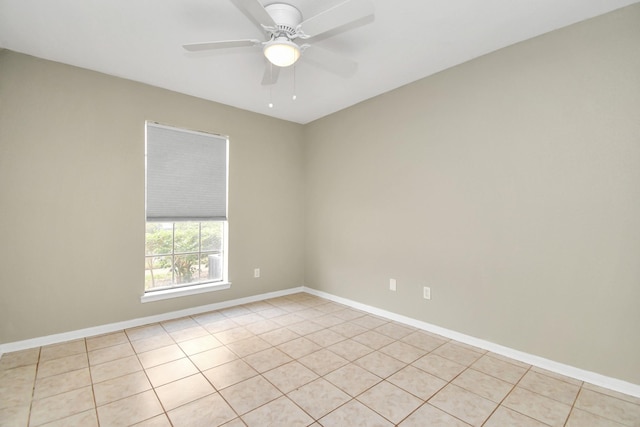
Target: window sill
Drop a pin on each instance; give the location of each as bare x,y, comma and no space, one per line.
181,292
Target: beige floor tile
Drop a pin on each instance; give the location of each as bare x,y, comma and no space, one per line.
16,386
87,418
61,383
329,321
506,417
152,343
279,336
580,418
62,365
107,354
370,322
157,421
250,394
373,339
319,397
350,349
348,329
268,359
120,387
390,401
229,374
310,313
200,344
402,351
463,404
322,361
330,307
209,411
262,327
190,333
116,368
61,406
161,355
435,417
248,346
258,306
354,414
235,311
220,325
19,358
179,324
439,366
483,385
288,319
457,353
290,376
606,391
106,340
349,314
248,319
547,386
212,358
352,379
171,371
380,364
208,317
417,382
499,368
277,413
424,340
509,360
183,391
234,334
609,407
237,422
146,331
326,337
394,330
14,416
130,410
536,406
306,327
272,312
299,347
557,376
56,351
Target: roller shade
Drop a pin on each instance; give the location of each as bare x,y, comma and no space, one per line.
186,175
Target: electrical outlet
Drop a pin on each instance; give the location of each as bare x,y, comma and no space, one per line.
426,292
392,284
256,273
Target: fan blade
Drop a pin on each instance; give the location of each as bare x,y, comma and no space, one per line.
337,16
330,61
271,74
197,47
254,10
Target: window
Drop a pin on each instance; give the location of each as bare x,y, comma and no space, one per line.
186,211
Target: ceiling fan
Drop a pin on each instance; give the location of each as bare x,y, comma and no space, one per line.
283,26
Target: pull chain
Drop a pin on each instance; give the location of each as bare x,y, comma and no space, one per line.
294,97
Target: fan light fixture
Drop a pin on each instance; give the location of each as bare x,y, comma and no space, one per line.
282,52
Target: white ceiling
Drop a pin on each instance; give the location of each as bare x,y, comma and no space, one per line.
408,39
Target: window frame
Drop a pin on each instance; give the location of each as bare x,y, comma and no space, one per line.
194,288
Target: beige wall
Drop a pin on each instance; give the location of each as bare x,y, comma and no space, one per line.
72,197
510,185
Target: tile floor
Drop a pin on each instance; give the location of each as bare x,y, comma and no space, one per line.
297,360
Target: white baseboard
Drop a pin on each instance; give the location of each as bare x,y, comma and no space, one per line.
530,359
550,365
118,326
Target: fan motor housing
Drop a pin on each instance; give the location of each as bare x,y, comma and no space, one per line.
286,17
